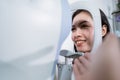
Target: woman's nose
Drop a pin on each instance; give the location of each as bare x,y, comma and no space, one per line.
78,32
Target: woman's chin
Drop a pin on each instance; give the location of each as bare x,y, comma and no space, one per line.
84,50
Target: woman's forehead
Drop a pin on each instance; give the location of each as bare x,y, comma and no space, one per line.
81,12
82,17
84,14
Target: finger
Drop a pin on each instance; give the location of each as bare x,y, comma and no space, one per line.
84,62
87,56
76,72
80,66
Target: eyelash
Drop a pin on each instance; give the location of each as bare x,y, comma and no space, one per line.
84,26
73,29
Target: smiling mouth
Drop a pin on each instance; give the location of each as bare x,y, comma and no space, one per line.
79,42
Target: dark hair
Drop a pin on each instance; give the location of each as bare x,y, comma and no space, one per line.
104,20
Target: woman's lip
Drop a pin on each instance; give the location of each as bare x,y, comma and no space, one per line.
80,42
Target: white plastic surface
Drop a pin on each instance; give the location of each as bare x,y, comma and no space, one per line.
29,35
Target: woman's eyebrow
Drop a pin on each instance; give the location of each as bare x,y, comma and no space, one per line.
82,22
79,23
73,26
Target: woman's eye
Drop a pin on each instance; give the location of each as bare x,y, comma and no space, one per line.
73,29
84,26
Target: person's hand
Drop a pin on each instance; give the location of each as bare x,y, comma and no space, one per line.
106,61
81,67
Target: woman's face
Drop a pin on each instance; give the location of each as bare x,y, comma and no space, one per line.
83,32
